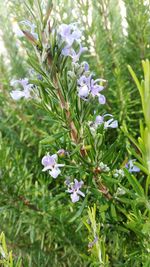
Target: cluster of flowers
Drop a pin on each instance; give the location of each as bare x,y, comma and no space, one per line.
50,164
87,86
70,36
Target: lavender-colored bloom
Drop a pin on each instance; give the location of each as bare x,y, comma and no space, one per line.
69,51
83,91
31,26
131,167
76,56
83,86
91,87
91,244
111,123
23,82
16,94
99,119
101,99
84,80
74,190
19,32
26,92
50,163
86,66
69,33
95,88
67,181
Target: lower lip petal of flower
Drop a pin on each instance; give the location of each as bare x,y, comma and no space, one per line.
74,197
55,172
17,95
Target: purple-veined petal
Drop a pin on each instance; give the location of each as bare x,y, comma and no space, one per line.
54,157
77,185
48,161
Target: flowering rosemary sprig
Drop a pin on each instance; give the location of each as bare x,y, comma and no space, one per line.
69,91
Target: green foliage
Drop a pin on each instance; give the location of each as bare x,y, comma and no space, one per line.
6,259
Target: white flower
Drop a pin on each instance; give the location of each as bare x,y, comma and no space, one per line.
83,91
50,163
18,94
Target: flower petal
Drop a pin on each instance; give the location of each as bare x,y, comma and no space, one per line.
55,172
16,94
101,99
74,197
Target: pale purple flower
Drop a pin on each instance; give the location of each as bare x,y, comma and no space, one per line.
69,51
99,119
31,26
101,99
18,94
86,66
74,190
84,80
69,33
131,166
91,86
111,123
23,82
50,163
83,91
19,32
91,244
76,56
95,88
67,181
